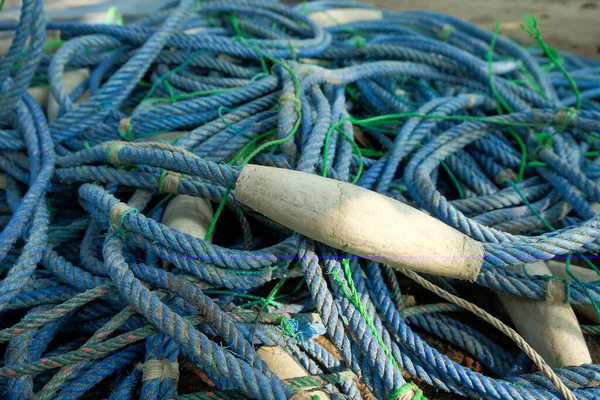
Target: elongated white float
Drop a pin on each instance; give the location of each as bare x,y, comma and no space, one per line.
192,215
189,214
583,274
551,329
341,16
359,221
285,367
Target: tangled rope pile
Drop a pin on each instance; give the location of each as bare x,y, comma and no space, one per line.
96,293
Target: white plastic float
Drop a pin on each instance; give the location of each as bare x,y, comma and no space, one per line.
359,221
550,328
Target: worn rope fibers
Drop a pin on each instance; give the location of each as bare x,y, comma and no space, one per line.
98,297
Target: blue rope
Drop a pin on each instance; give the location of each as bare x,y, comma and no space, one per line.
94,288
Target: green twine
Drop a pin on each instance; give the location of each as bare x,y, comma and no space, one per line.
235,24
359,41
211,227
113,15
250,145
54,43
160,203
273,292
530,26
504,104
228,124
350,291
406,388
296,101
461,192
583,286
355,148
490,56
174,70
401,188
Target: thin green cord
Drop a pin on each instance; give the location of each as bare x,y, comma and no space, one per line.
352,294
54,43
211,227
461,192
174,70
490,56
296,101
113,14
505,104
530,26
581,284
250,145
350,291
355,147
272,294
160,203
227,124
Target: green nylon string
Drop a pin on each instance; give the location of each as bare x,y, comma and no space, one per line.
213,223
350,291
114,16
530,26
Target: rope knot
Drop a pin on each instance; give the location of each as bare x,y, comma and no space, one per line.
117,213
125,129
565,117
558,289
168,182
445,32
472,98
506,174
112,155
159,369
288,98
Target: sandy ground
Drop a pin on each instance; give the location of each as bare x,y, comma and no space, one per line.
568,24
572,25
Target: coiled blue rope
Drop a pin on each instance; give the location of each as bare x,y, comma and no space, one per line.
96,292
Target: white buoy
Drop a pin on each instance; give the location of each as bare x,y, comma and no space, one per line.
72,79
583,274
359,221
189,214
551,329
285,367
341,16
